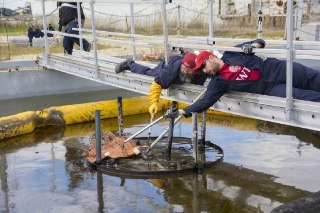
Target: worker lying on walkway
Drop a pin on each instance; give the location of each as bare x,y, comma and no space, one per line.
178,70
245,72
68,17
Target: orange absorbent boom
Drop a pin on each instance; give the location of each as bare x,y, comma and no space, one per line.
113,147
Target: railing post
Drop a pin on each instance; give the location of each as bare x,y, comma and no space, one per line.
179,21
94,34
211,19
165,30
133,31
289,27
260,21
44,23
80,27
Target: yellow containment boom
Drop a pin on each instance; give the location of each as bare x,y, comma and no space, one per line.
27,122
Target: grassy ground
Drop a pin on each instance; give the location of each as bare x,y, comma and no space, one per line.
7,53
25,50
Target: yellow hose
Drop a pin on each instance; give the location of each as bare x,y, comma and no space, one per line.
27,122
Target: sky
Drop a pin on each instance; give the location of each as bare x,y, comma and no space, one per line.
14,4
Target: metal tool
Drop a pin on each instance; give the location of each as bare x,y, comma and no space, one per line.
145,128
175,121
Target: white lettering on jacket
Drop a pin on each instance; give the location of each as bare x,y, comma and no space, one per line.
244,74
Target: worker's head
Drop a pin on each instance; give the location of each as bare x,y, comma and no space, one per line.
208,62
188,64
37,26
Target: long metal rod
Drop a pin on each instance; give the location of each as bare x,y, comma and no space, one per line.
133,31
144,129
80,26
120,115
203,127
260,21
176,121
44,22
289,99
165,30
195,136
179,21
211,19
94,35
98,135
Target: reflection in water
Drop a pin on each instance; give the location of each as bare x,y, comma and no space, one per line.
44,169
4,184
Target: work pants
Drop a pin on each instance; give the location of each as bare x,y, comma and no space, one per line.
69,41
141,69
305,81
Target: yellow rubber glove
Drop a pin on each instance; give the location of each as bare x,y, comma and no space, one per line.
154,95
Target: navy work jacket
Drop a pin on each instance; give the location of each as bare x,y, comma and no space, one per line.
30,32
166,75
218,85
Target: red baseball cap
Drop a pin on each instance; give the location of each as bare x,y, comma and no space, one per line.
190,58
200,59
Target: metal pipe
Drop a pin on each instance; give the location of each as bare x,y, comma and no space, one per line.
94,35
100,191
289,99
145,128
98,135
80,26
211,19
165,30
179,21
170,131
44,22
133,31
203,127
195,136
120,116
260,21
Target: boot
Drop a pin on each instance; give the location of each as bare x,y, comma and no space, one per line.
125,65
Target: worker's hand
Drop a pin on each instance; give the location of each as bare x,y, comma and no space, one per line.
247,49
172,113
153,109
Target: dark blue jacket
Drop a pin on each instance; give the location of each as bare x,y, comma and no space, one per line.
51,29
166,75
37,33
30,32
218,85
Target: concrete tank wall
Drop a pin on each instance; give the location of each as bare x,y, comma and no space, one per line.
22,84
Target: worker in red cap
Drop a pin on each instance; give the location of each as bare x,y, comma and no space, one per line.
180,69
246,72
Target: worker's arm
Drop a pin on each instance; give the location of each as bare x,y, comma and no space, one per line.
215,90
154,95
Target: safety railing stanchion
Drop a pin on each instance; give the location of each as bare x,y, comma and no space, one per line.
211,19
94,34
44,22
165,30
260,21
289,26
179,21
80,27
133,31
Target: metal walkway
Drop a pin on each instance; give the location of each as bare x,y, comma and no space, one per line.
305,114
101,68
